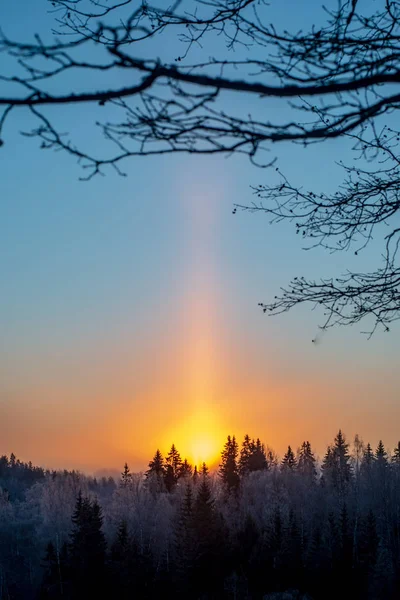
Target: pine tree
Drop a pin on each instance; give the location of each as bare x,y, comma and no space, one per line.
204,470
289,462
369,542
174,460
156,466
55,565
122,567
258,459
245,454
185,546
336,465
126,477
381,457
195,476
396,455
156,473
228,468
87,547
185,470
206,537
306,463
368,458
169,478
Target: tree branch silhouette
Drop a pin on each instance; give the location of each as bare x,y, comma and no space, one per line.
338,80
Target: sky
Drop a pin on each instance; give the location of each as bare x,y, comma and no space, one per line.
128,305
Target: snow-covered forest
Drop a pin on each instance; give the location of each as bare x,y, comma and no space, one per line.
258,528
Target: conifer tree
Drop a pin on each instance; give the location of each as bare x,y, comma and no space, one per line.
156,466
289,462
195,475
122,569
396,455
306,463
258,458
169,478
54,578
87,547
156,473
185,470
204,470
245,454
336,465
228,468
206,536
126,477
174,460
381,457
185,546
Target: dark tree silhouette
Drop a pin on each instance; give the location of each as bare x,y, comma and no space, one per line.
87,548
336,466
289,462
306,462
228,468
336,79
126,477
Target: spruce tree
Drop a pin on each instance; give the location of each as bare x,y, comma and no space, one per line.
336,465
206,537
257,459
173,459
245,454
185,543
121,561
87,547
204,469
55,569
228,468
289,462
126,477
396,455
381,456
155,474
306,463
156,466
185,470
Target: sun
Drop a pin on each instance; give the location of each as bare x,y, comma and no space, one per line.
203,448
199,438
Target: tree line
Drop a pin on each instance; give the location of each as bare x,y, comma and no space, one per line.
258,527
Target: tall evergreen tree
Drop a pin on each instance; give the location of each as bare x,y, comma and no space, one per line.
381,456
245,454
174,460
186,469
228,468
396,455
87,548
204,469
258,458
156,473
126,477
336,465
306,463
206,531
156,466
122,567
289,462
185,544
195,475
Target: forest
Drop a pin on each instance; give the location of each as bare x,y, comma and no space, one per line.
258,527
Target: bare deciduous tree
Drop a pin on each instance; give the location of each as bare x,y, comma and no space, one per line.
337,80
